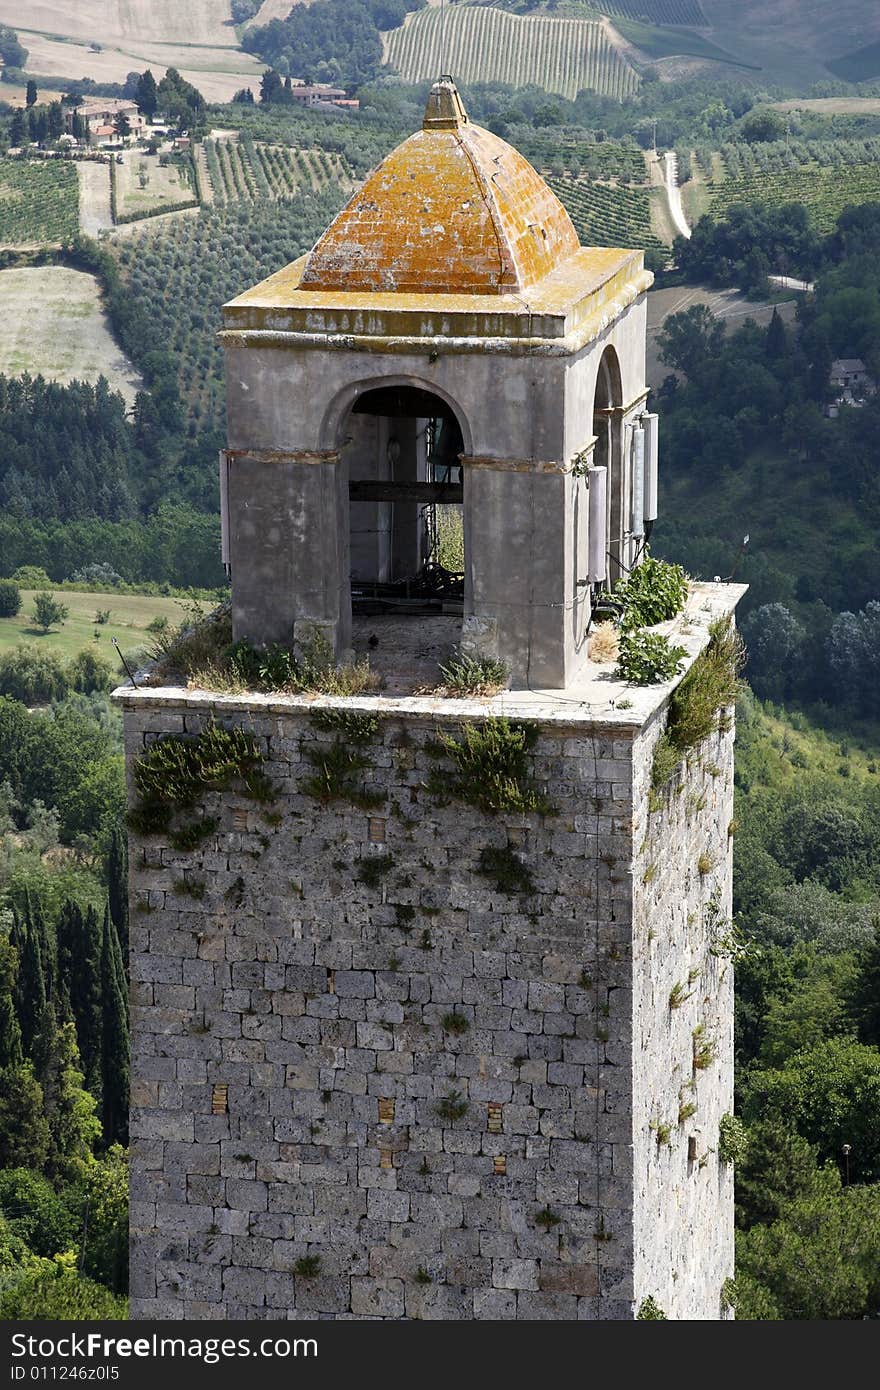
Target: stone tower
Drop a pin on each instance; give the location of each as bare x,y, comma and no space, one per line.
440,1024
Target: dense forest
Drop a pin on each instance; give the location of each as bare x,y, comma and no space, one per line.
329,40
63,1011
748,449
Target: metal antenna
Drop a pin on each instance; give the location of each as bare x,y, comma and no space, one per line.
442,35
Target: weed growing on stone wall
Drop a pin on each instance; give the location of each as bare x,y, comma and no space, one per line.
467,675
334,779
349,725
403,917
422,1276
699,706
506,870
425,941
705,1048
732,1139
704,865
454,1022
453,1106
547,1219
191,888
677,995
647,658
492,769
188,837
175,773
654,592
686,1109
650,1311
372,870
662,1132
308,1267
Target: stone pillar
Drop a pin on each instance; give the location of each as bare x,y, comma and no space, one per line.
289,540
523,605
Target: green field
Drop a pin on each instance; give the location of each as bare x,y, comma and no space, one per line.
481,44
39,201
130,615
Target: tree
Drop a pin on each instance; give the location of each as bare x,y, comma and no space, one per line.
122,125
105,1253
89,671
147,96
35,1212
48,611
31,94
60,1295
24,1133
10,1032
115,1039
79,964
774,638
117,885
764,125
820,1260
55,117
831,1095
70,1109
271,87
690,340
13,53
32,674
18,129
30,987
865,996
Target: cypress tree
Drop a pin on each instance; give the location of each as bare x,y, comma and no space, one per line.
24,1133
79,964
115,1050
30,990
69,1108
117,886
10,1033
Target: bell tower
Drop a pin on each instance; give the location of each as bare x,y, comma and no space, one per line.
431,996
450,300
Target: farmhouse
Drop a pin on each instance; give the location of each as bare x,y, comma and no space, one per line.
319,95
99,118
852,383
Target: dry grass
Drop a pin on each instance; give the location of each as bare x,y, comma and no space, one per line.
604,644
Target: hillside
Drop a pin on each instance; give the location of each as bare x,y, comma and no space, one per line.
482,44
107,39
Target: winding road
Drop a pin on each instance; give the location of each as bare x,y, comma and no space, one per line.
673,194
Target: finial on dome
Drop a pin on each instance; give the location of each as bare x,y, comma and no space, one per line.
444,110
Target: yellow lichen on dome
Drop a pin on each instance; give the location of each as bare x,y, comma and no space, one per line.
453,210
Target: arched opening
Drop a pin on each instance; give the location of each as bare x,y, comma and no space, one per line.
608,453
403,445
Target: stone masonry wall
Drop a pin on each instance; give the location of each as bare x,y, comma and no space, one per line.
683,1027
290,983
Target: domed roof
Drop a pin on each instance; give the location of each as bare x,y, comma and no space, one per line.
453,210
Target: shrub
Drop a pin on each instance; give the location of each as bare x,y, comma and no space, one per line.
647,658
654,592
10,598
732,1139
60,1296
696,706
466,675
32,577
32,675
89,671
650,1310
